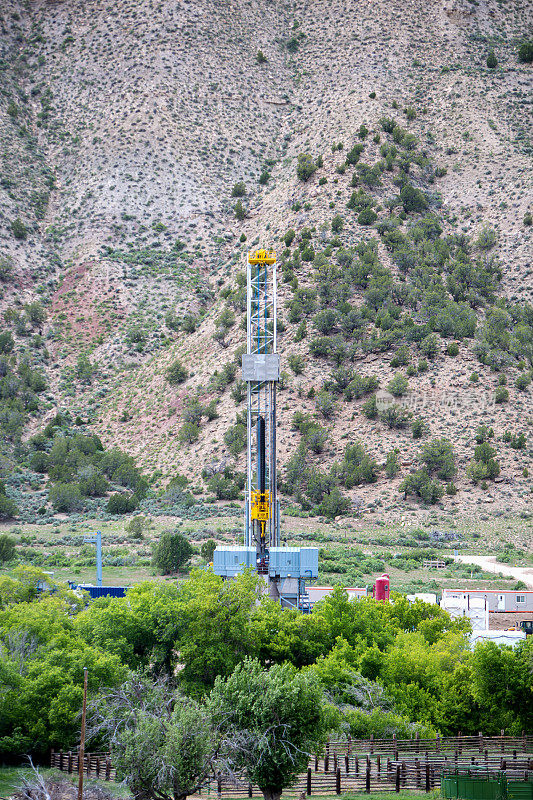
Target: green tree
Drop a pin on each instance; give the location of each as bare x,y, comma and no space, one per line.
305,167
66,497
172,551
176,373
392,464
121,503
240,211
492,61
207,549
160,741
413,199
525,52
438,457
7,548
270,721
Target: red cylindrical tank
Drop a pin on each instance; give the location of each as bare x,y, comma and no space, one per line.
382,588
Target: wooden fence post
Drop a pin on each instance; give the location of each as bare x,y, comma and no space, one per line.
52,756
460,744
480,742
338,781
372,744
417,742
394,747
367,779
61,760
502,732
326,763
108,768
404,772
249,790
97,766
69,762
417,773
397,786
349,745
347,763
437,744
428,786
308,787
334,761
378,763
219,786
316,763
356,764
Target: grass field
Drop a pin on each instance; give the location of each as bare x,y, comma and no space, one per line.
59,547
11,778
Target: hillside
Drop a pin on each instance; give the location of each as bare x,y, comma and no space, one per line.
126,126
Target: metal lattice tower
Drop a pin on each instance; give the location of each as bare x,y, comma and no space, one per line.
261,373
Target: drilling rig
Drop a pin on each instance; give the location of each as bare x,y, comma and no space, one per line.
285,570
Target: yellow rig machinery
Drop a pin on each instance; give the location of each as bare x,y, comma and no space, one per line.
285,570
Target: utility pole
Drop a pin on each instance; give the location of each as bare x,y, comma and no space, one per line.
96,538
81,757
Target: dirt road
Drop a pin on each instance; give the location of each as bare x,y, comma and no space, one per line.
489,564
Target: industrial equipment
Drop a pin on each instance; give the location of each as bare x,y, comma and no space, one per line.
285,569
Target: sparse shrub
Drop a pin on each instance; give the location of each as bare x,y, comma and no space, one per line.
289,237
522,382
501,395
240,211
19,229
369,407
528,221
239,190
422,485
260,57
399,385
176,373
235,438
296,363
395,416
352,157
357,466
325,404
6,268
420,428
392,464
487,238
189,433
337,223
452,349
367,217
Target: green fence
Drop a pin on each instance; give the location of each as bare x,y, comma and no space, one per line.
458,786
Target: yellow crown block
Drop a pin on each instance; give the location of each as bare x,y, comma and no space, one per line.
260,506
262,257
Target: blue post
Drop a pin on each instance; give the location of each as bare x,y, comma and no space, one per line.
98,558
